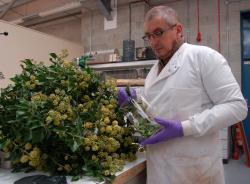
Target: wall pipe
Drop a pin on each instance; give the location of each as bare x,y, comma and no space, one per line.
130,21
90,34
198,37
219,48
91,27
188,22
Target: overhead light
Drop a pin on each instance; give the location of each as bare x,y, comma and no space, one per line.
17,21
66,7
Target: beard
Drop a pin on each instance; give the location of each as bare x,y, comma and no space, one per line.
175,46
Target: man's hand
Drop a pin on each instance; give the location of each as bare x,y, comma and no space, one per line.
170,129
124,98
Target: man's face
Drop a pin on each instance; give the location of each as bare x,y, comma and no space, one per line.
162,37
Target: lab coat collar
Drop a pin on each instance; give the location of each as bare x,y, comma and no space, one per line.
172,66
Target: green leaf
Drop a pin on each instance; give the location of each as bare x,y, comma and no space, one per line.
50,78
41,83
75,178
53,55
37,135
20,113
14,155
74,146
28,62
89,173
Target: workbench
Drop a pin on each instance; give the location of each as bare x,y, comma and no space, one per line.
133,173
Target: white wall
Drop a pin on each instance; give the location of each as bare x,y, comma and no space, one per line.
23,43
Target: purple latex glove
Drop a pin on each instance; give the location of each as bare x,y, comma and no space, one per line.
123,97
170,129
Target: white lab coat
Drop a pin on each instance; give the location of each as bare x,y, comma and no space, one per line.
198,88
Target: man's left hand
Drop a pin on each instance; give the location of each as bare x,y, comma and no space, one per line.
170,129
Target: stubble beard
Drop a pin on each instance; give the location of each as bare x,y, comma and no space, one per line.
175,46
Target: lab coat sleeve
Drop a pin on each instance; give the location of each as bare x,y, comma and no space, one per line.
229,106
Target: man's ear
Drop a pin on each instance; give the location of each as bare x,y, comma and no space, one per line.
179,29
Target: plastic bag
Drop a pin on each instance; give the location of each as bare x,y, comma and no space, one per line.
42,179
142,118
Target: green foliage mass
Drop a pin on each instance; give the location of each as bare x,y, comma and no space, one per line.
64,120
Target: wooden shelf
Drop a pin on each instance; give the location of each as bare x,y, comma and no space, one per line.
123,65
130,173
130,82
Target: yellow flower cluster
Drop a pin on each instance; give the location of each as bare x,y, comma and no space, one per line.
62,108
31,84
82,80
67,64
33,157
68,167
39,97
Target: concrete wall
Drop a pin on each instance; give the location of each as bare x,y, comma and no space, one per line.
89,30
229,27
95,37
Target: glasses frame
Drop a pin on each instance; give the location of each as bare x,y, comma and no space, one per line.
157,34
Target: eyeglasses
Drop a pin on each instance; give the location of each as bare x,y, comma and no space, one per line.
156,34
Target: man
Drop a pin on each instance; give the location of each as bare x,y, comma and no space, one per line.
195,95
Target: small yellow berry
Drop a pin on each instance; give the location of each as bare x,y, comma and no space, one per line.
87,148
106,120
60,168
67,167
28,146
95,148
49,119
115,123
108,129
106,172
24,159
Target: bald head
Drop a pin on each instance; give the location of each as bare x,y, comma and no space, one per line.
167,13
163,31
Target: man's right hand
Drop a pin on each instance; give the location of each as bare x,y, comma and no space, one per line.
124,98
